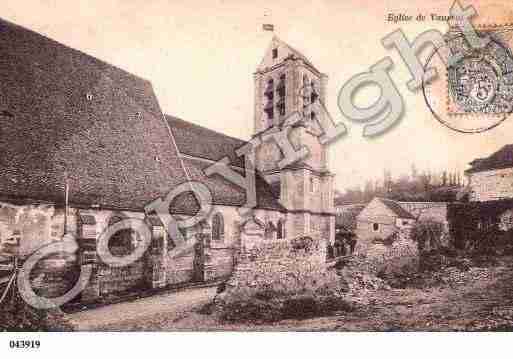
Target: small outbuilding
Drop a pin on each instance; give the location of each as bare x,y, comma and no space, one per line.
381,218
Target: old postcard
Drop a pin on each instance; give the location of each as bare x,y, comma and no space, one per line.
341,166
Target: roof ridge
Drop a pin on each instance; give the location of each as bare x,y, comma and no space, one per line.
396,207
2,20
204,128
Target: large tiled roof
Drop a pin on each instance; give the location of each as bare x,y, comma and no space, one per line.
198,141
227,193
204,146
64,113
503,158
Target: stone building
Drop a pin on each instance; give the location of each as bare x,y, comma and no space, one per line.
382,218
490,188
78,131
491,178
286,82
384,222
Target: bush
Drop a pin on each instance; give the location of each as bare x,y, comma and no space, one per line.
253,311
18,316
300,307
318,293
428,234
258,311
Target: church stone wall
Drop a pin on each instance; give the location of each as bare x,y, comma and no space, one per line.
38,225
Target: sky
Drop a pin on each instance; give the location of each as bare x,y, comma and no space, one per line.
200,57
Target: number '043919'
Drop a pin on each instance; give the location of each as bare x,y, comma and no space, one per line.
24,344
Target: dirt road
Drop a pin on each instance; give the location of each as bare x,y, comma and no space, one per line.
485,303
143,314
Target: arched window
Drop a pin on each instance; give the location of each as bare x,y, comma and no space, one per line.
270,228
281,229
280,104
269,106
313,92
218,227
124,241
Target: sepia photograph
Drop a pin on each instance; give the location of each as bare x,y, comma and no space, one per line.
239,167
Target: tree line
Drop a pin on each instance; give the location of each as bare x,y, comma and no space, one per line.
441,186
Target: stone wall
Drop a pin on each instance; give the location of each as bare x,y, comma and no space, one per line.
389,256
37,225
219,263
427,210
279,265
491,185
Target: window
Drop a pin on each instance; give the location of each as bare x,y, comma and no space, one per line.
269,89
305,91
375,226
270,228
183,232
124,241
312,189
313,93
217,227
275,53
405,223
281,229
280,89
282,109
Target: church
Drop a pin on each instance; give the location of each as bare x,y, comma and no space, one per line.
86,145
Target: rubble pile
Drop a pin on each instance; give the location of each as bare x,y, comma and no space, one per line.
454,276
358,281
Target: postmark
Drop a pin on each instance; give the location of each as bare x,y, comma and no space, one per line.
482,81
475,94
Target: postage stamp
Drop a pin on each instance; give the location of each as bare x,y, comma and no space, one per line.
482,81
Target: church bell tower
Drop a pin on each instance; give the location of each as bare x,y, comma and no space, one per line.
286,82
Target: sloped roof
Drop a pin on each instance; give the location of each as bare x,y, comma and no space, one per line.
202,143
340,201
276,42
198,141
66,114
396,208
223,191
503,158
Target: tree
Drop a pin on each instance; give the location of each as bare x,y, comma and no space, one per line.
427,234
387,181
425,180
414,172
444,178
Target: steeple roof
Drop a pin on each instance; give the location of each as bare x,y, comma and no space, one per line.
284,51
